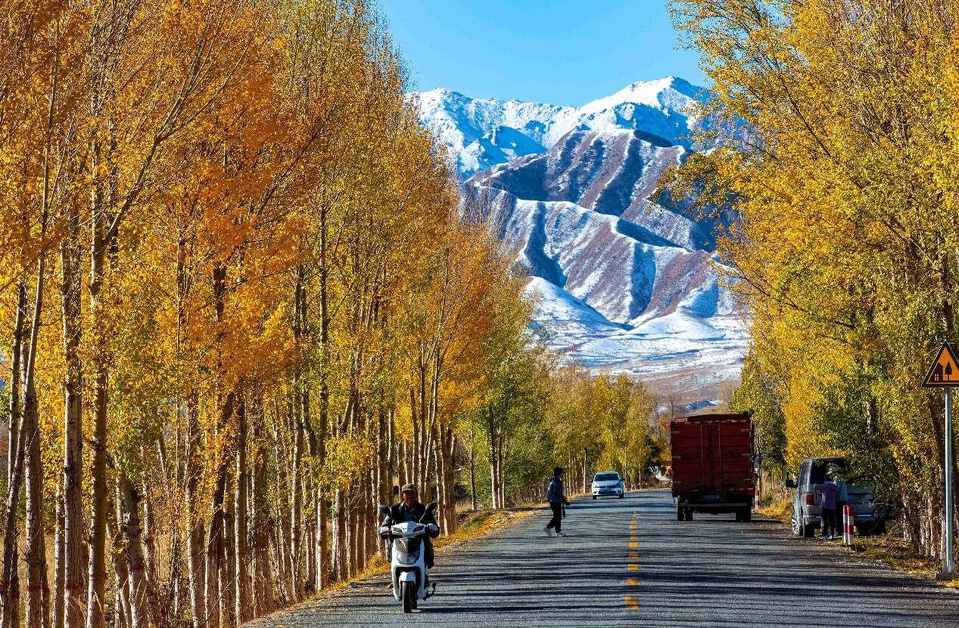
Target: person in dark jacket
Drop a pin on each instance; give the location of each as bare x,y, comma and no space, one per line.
827,502
410,509
556,498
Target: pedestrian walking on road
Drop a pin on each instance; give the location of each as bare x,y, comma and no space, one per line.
827,503
556,498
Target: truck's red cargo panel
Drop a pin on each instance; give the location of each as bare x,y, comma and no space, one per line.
712,454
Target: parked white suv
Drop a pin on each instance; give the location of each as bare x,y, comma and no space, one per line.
608,483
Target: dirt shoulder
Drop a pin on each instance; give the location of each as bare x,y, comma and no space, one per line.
889,549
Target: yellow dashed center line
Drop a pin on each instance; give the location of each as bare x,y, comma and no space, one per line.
632,601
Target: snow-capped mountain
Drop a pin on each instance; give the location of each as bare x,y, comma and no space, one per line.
482,133
621,281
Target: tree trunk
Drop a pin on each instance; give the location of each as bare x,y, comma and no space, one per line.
262,571
451,518
96,594
58,564
493,468
585,457
242,554
227,572
9,586
121,573
215,535
16,351
339,536
323,508
133,550
195,540
73,586
38,592
473,504
349,540
296,501
500,456
150,557
214,552
28,445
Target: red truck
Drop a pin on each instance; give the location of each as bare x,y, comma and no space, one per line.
713,465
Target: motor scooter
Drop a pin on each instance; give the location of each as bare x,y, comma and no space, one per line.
408,569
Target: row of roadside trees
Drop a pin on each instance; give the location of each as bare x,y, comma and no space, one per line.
241,303
842,171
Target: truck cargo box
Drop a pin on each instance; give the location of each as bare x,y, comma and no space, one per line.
712,464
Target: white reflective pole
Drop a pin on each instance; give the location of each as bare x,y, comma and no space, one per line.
950,566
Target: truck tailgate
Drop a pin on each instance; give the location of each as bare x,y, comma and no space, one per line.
712,454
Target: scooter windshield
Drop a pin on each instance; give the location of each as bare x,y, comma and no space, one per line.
408,546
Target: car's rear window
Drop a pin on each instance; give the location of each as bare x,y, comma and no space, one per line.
820,467
606,477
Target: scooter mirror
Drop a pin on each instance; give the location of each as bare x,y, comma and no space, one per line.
385,511
431,507
396,490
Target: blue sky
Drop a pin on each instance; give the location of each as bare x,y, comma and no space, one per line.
564,52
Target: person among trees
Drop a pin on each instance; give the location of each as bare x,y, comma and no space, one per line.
410,509
556,498
828,491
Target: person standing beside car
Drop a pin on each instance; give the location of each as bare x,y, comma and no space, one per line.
556,498
842,497
827,503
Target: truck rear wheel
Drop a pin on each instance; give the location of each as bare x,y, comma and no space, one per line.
680,513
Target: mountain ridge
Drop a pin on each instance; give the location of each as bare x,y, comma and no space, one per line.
623,281
466,125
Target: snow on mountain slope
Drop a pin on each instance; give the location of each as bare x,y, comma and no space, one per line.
609,172
620,281
473,129
594,258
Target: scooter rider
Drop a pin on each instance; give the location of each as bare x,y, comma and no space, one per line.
410,509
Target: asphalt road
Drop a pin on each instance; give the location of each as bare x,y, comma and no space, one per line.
628,562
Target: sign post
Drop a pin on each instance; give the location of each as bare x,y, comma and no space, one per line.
944,373
950,565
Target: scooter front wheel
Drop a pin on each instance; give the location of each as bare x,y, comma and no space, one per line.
407,594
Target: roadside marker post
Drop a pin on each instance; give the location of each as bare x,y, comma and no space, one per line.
944,373
848,524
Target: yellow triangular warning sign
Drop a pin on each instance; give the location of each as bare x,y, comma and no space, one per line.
944,370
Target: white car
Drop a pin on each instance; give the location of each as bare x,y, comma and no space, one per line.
608,483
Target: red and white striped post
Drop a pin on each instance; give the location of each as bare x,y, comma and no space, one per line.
756,498
848,524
